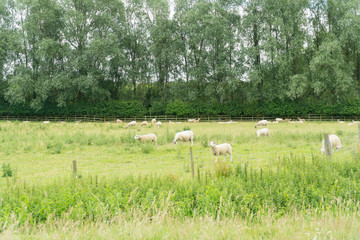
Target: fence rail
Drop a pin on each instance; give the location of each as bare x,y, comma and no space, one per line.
165,118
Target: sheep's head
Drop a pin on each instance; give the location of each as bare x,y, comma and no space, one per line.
338,148
174,142
322,151
212,144
136,137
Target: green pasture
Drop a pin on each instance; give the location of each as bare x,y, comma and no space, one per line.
40,152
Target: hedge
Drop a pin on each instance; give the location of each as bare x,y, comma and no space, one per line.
186,109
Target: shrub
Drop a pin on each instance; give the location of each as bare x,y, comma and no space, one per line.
7,171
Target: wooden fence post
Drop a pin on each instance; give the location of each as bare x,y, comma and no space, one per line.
327,146
359,133
192,163
75,168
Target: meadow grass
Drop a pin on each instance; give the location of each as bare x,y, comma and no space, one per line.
39,152
272,181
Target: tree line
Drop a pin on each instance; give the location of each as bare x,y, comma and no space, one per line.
158,51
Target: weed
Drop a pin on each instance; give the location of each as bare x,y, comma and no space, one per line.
7,170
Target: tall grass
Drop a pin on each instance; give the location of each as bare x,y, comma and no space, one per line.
242,191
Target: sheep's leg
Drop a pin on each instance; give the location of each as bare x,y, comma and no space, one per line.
224,157
230,158
216,157
192,143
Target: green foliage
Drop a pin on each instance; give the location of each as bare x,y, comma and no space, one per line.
293,183
7,170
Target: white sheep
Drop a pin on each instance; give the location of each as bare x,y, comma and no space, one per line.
350,124
279,120
118,121
341,122
262,123
131,124
355,121
193,120
143,123
335,143
221,149
263,132
158,124
153,121
146,138
287,120
46,122
185,136
301,119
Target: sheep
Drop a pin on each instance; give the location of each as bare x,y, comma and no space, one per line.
46,122
119,121
341,122
335,143
263,132
301,120
26,121
193,120
171,122
153,121
355,121
227,122
185,136
146,138
262,123
158,124
279,120
287,120
350,124
143,123
221,149
131,124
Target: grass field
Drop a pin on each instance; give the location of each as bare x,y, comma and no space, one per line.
278,180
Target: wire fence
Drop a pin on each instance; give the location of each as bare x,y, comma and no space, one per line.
204,161
173,118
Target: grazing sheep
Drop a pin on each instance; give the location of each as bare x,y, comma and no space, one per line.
26,121
143,123
221,149
287,120
227,122
171,122
185,136
301,120
279,120
263,132
158,124
193,120
153,121
335,143
147,138
262,123
131,124
118,121
342,122
355,121
46,122
349,124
